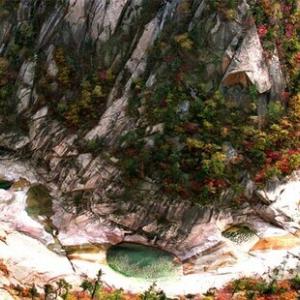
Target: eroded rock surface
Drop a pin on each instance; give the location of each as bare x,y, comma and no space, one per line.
74,246
121,34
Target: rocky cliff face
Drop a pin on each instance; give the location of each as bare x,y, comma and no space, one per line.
89,83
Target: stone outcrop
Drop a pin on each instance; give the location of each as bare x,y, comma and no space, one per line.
76,245
121,34
63,154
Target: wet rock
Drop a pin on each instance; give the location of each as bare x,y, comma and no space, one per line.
6,196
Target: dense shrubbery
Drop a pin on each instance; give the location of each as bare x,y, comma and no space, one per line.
204,138
90,290
78,94
192,141
241,289
7,81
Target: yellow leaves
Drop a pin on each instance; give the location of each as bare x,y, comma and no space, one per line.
208,298
194,144
215,166
64,70
286,123
267,5
277,13
184,7
73,115
230,14
4,66
261,142
272,8
110,75
296,16
97,91
294,106
84,105
85,85
211,103
294,161
219,156
249,131
59,56
184,41
207,125
163,46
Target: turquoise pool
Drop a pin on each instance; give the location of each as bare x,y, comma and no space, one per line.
135,260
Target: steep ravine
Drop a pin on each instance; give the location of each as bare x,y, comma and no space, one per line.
86,85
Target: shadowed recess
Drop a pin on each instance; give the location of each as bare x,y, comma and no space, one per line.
5,185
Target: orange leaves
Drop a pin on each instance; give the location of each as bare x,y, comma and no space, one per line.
3,268
80,296
278,163
130,296
267,5
224,294
289,295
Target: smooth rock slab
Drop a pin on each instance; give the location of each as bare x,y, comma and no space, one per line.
14,215
28,261
4,295
5,196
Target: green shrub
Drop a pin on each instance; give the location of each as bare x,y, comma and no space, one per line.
153,294
275,111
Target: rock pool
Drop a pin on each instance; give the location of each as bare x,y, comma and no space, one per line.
135,260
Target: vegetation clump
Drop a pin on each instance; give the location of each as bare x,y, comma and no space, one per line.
39,201
208,140
79,92
240,289
239,234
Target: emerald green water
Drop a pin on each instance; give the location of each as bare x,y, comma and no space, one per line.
5,185
134,260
